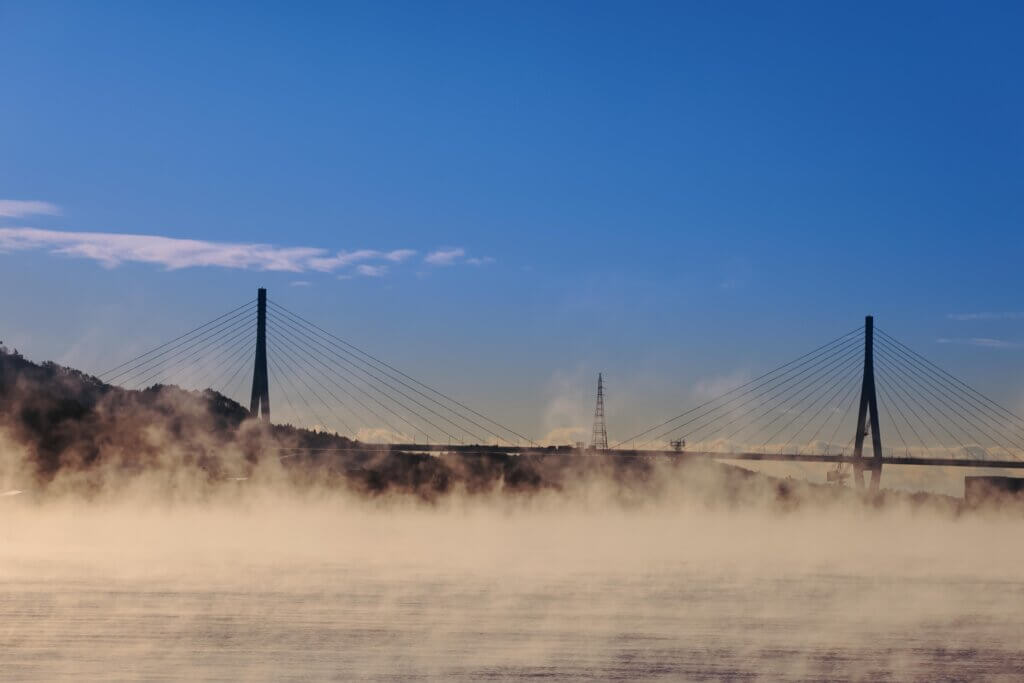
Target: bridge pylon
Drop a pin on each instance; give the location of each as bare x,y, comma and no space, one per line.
260,403
867,415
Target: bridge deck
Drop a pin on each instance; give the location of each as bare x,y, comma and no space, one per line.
477,449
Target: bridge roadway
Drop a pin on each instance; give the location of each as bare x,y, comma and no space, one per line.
477,449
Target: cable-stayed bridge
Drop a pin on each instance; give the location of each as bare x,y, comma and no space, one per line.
828,405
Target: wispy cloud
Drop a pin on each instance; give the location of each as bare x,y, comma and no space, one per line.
450,256
113,249
347,258
371,271
984,342
17,208
1005,315
300,283
445,257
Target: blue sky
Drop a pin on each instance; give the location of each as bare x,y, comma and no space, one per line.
505,198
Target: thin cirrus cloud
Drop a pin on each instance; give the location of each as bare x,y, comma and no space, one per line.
987,315
450,256
18,208
984,342
347,258
445,257
371,270
113,249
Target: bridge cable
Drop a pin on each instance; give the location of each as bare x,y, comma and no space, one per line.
131,375
287,363
888,410
773,391
411,379
272,359
182,356
906,385
311,355
223,354
838,411
838,387
742,386
206,324
880,382
963,413
304,366
898,392
764,387
849,409
952,377
176,344
799,390
236,359
927,396
975,408
230,383
850,362
413,400
360,369
274,375
374,387
772,387
385,394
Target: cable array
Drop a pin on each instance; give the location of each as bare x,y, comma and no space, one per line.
389,404
802,406
326,382
807,404
935,414
787,407
213,354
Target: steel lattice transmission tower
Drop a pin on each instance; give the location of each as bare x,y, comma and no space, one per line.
599,434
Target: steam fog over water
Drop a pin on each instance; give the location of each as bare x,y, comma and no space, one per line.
259,584
161,536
